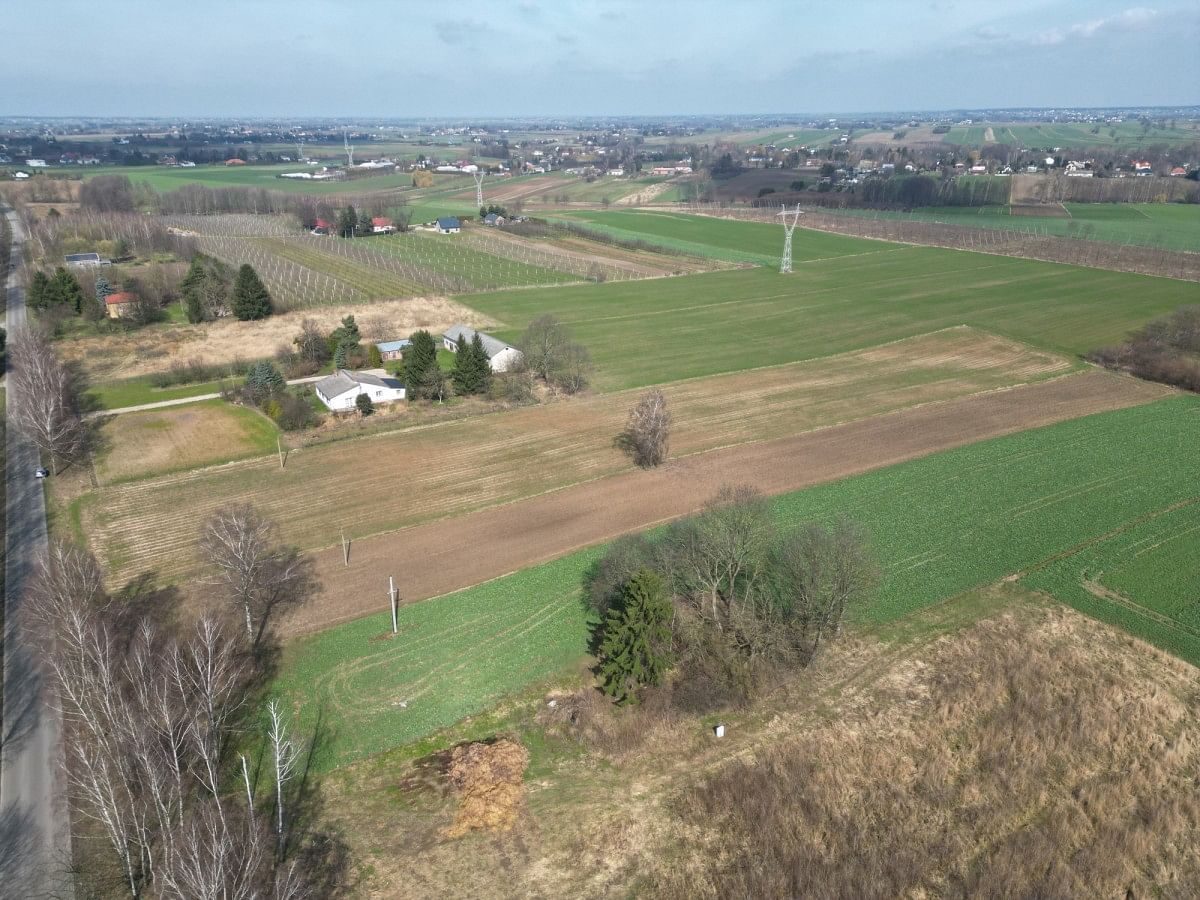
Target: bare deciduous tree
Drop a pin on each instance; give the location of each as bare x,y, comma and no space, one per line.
550,354
149,721
45,407
647,432
259,576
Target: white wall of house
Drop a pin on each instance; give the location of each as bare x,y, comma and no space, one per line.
345,402
505,359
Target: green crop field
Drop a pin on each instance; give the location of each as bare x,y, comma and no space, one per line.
755,242
1123,135
1145,578
1169,226
165,178
940,526
845,294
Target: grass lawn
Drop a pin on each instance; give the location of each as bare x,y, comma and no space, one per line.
179,438
845,294
136,391
941,526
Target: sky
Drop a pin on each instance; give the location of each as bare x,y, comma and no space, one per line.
513,58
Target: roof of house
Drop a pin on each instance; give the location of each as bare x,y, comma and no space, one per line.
120,297
82,257
390,346
344,380
381,221
235,162
449,222
492,217
492,346
321,223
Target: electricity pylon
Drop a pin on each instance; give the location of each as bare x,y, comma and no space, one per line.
785,264
478,176
349,147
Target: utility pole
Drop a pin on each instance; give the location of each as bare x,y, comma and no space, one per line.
785,264
392,598
345,549
279,447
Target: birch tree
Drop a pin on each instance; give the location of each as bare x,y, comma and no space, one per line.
45,409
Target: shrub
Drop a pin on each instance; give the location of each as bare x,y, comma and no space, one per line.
364,404
295,412
647,432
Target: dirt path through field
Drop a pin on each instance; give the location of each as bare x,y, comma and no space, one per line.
436,558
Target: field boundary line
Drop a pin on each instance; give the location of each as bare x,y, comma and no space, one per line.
1108,535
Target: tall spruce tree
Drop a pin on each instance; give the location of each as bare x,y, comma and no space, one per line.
39,290
103,288
483,365
66,289
636,647
419,360
465,375
250,297
347,222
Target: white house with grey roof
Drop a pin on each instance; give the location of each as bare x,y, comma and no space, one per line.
501,356
340,390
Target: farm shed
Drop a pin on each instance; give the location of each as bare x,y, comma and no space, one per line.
340,390
501,356
83,259
119,304
449,225
392,350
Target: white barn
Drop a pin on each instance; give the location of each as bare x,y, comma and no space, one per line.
340,390
501,356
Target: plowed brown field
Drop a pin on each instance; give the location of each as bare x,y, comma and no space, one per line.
433,559
404,478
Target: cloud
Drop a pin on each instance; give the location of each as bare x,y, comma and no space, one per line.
458,33
1128,20
991,33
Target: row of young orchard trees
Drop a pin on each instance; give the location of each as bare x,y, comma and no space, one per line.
191,777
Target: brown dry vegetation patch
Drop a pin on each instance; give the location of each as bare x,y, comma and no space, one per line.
1035,752
174,438
489,780
156,348
401,479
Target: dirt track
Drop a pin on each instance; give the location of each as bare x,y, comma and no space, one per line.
447,555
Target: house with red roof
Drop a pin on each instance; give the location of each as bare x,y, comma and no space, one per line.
320,226
382,225
120,304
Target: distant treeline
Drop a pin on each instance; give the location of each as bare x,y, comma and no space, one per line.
929,190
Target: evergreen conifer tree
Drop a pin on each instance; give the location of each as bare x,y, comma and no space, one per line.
482,365
636,648
250,297
464,376
341,356
66,289
103,288
39,290
419,360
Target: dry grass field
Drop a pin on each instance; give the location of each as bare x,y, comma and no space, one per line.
399,479
157,348
994,746
177,438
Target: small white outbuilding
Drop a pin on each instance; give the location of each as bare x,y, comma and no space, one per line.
340,390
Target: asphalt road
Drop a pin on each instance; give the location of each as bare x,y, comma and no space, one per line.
35,836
